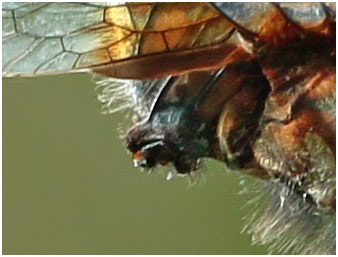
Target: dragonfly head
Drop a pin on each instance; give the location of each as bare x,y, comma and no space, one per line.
175,135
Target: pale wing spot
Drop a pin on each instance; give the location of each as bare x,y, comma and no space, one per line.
119,16
90,40
15,46
59,19
93,58
64,61
42,53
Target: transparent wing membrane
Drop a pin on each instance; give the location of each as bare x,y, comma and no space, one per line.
49,38
144,40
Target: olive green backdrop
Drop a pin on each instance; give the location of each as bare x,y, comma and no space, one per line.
69,186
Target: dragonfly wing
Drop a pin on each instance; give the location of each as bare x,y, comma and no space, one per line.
157,38
43,38
141,40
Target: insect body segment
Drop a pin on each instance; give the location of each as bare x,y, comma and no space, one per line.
173,133
271,115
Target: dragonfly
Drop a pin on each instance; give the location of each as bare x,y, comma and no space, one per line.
249,84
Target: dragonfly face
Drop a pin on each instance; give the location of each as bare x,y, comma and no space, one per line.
167,138
175,131
252,85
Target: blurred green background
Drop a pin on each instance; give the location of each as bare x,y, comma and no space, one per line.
69,186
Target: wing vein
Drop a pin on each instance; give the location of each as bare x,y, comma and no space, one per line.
25,52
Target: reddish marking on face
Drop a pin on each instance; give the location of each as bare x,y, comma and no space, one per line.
138,156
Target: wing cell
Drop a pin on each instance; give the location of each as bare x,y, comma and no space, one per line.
57,19
101,36
61,62
42,50
14,46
